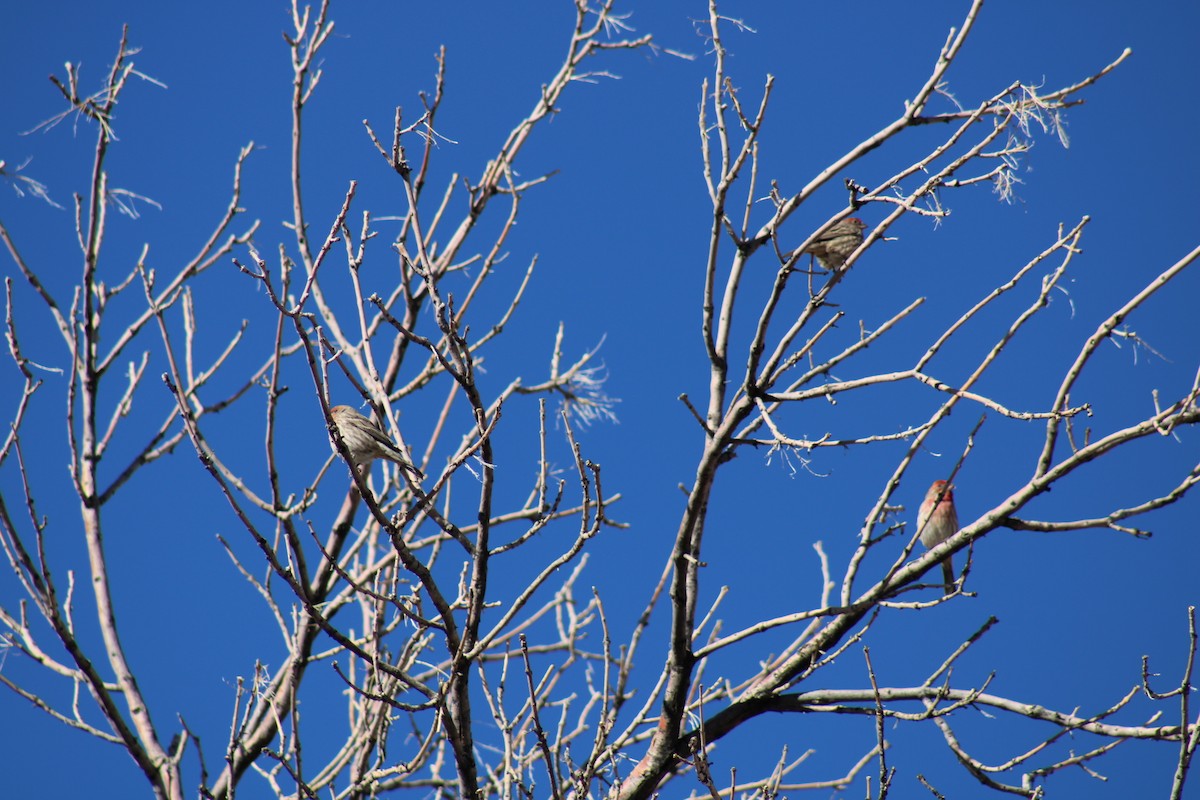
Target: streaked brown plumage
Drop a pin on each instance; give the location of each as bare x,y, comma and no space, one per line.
366,442
835,245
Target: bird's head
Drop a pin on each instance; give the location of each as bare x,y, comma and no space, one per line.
943,488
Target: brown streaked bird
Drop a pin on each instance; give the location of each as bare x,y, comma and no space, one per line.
936,525
835,245
366,442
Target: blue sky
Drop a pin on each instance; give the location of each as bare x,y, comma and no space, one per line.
620,235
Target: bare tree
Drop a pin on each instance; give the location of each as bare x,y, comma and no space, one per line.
424,650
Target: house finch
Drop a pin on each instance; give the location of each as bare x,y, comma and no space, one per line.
366,442
835,245
936,525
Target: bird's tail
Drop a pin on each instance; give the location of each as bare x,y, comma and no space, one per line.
948,576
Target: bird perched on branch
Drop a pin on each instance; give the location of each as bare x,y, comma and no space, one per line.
938,523
835,245
366,442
